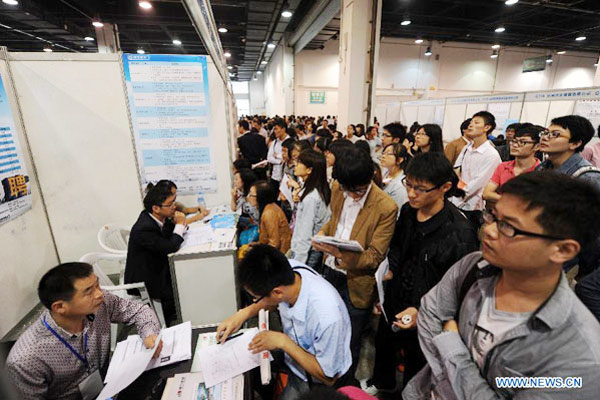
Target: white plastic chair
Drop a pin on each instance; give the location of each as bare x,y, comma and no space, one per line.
121,290
114,238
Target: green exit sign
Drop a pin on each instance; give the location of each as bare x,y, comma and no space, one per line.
317,97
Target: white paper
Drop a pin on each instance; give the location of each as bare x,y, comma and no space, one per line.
177,345
349,245
224,235
198,235
383,268
286,190
224,361
127,369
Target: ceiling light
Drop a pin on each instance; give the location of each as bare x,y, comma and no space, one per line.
47,49
419,41
561,52
549,59
428,52
227,54
97,24
231,74
264,62
10,2
580,38
496,46
229,67
88,39
406,22
596,63
500,29
511,2
286,14
146,5
223,29
177,42
494,54
271,45
258,72
255,79
141,51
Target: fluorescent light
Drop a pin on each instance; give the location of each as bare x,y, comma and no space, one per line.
500,29
406,22
255,79
549,60
286,14
146,5
97,24
494,54
264,62
258,72
177,42
496,46
428,52
227,54
561,52
511,2
580,38
419,41
271,45
222,29
141,51
10,2
229,67
88,39
47,49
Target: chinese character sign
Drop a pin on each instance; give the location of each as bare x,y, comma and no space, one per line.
15,189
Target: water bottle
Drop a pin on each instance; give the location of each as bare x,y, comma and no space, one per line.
201,202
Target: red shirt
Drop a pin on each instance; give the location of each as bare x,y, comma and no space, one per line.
506,171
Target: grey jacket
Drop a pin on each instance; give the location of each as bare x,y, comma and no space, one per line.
560,339
571,166
311,215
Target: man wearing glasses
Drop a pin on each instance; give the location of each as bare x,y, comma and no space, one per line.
158,232
509,311
359,211
523,146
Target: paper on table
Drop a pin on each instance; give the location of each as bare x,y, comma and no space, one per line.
381,271
223,361
126,370
349,245
286,190
177,345
224,235
200,234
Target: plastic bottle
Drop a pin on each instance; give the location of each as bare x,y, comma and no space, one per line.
201,202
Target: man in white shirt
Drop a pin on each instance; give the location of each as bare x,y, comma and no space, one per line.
476,164
274,156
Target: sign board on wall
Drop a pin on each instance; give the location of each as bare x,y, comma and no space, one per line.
566,94
534,64
15,189
169,106
317,97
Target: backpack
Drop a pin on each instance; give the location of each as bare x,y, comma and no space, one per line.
585,170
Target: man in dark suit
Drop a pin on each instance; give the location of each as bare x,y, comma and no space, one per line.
157,232
252,145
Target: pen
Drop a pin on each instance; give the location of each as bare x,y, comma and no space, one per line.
233,336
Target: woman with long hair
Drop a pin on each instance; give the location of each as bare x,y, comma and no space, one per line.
242,181
394,158
429,138
273,228
313,211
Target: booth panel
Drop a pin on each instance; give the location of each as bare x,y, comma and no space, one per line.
409,114
515,110
535,112
558,109
475,108
453,117
426,115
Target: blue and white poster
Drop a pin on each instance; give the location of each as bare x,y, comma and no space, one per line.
15,189
169,104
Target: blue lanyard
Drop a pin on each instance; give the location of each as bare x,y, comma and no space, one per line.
83,358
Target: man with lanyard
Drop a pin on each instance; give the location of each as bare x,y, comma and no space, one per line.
316,325
62,354
275,156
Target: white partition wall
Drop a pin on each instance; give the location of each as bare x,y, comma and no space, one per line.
453,117
535,112
558,109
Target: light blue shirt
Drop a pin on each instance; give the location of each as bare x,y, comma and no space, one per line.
396,190
311,215
319,323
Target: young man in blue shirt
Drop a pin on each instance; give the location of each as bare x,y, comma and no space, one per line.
316,326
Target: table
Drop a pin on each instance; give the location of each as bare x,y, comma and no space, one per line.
150,385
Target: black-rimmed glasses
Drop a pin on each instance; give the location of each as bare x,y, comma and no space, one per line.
510,231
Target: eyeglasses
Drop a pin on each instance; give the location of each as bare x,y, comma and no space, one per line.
386,134
417,189
420,134
356,191
520,142
257,299
551,134
251,195
510,231
168,205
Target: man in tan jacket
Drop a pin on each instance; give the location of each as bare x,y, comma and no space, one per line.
359,211
454,148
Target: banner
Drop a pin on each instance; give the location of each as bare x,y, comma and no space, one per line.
15,188
169,107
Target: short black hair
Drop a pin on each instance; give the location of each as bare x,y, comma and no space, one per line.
353,167
241,163
156,196
263,268
244,124
58,283
513,127
363,145
163,182
434,168
529,130
396,129
281,123
288,144
465,124
570,208
322,143
488,119
580,127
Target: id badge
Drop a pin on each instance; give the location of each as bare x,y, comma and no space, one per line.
91,386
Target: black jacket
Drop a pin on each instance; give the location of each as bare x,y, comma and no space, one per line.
421,253
147,252
253,147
